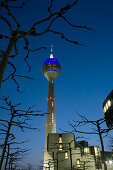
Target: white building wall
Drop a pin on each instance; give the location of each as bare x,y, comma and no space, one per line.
87,162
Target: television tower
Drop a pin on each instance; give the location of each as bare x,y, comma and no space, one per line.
51,69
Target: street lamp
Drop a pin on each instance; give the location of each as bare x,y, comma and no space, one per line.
108,110
110,162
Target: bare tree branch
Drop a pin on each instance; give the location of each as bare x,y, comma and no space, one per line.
19,118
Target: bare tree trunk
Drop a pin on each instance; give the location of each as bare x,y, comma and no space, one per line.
5,57
70,154
6,141
57,161
11,163
7,158
102,145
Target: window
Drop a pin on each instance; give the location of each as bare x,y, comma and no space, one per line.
60,142
60,147
60,139
97,151
78,163
86,150
66,155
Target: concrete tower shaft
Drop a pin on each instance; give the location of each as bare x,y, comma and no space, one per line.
51,121
50,69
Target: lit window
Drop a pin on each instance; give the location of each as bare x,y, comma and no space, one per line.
106,106
60,147
78,163
66,155
60,139
109,103
97,151
104,109
86,150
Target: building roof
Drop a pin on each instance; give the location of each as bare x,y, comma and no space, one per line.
51,60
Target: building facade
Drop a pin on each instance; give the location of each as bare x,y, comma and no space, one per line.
61,151
67,154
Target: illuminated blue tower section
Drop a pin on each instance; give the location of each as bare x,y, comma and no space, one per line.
51,69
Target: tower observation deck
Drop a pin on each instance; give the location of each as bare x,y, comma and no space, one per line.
51,69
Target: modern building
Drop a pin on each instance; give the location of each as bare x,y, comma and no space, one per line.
62,151
108,110
67,154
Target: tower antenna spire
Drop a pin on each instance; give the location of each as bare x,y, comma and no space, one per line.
51,55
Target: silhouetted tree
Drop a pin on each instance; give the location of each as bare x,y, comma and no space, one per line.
14,153
111,143
19,118
16,33
96,129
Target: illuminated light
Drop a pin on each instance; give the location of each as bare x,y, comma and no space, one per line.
51,70
78,163
50,98
86,150
51,55
60,147
66,155
52,117
50,124
106,106
60,139
110,161
52,104
97,152
104,109
51,60
54,124
109,103
46,125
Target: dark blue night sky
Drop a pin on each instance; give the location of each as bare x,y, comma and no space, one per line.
87,70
